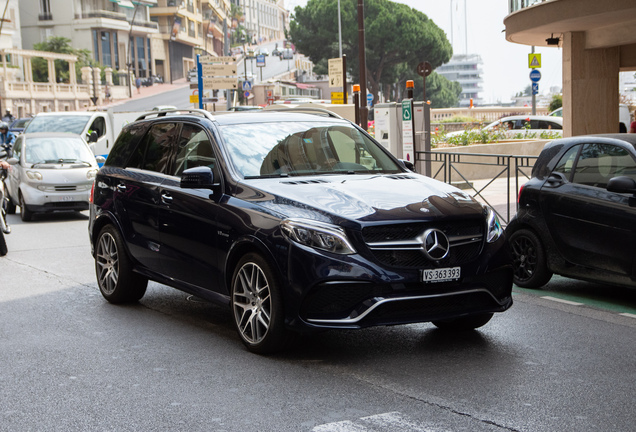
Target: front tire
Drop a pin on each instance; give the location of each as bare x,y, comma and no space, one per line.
115,277
25,214
530,268
470,322
257,306
3,244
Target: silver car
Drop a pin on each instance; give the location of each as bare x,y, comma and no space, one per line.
50,172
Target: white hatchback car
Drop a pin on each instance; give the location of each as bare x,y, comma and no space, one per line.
50,172
522,126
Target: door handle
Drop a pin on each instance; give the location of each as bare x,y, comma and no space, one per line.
166,198
555,179
121,187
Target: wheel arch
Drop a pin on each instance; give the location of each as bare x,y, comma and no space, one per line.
241,248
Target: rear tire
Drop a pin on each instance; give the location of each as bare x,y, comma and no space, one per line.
257,306
530,268
470,322
117,281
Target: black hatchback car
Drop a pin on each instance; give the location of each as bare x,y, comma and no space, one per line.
577,214
296,221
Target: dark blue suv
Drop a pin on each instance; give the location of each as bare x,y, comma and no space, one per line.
296,221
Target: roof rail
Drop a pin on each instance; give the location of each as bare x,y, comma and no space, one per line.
308,110
163,113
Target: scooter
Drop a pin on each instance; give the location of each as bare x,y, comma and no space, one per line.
4,226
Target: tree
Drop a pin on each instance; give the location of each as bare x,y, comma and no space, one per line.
61,45
556,102
395,35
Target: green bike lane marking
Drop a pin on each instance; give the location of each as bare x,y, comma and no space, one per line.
592,300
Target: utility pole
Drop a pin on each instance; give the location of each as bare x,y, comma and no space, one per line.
364,111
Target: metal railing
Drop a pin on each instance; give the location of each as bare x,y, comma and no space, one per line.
452,167
515,5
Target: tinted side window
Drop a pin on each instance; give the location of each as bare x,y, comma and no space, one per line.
566,163
194,150
156,150
600,162
17,148
126,145
99,126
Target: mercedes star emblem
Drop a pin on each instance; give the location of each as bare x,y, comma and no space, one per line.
435,244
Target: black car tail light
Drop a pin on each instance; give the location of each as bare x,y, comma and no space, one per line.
90,199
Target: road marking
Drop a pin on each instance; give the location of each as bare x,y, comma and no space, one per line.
562,301
628,315
389,422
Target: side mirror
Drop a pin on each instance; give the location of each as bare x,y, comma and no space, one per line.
100,160
197,178
93,137
13,161
622,184
408,165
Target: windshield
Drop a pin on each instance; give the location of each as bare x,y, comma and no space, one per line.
303,148
57,150
62,123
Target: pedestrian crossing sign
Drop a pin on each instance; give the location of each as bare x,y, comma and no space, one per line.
534,60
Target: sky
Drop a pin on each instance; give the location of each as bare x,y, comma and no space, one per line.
505,64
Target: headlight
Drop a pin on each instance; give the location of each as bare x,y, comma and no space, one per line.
317,235
494,226
90,174
34,175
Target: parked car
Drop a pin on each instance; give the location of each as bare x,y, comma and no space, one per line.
50,172
623,117
245,108
262,51
287,54
524,125
576,214
18,125
163,108
297,222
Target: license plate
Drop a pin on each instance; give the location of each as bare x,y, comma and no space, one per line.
64,198
441,274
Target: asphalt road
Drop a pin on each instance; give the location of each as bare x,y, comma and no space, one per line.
73,362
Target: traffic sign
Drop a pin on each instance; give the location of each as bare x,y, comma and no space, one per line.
247,94
335,72
212,59
247,85
337,97
369,99
535,88
220,83
534,60
213,70
260,60
535,75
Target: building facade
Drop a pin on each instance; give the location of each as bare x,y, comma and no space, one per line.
263,20
597,40
467,70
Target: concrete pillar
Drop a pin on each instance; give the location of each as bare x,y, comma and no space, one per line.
590,87
51,67
72,76
86,75
108,74
96,89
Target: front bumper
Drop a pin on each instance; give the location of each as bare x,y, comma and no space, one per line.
354,292
37,200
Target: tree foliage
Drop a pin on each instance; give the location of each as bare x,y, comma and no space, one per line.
61,45
397,38
556,102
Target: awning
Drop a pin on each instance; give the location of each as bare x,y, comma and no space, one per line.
124,3
304,86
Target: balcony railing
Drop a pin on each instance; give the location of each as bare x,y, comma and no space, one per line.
102,14
45,17
515,5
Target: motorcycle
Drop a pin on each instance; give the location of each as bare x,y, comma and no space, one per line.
4,202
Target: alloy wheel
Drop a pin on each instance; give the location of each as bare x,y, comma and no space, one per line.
524,257
107,263
252,303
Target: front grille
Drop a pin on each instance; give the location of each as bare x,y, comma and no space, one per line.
65,188
403,257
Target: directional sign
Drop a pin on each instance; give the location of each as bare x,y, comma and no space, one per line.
535,88
220,83
337,97
535,75
534,60
335,72
213,70
212,59
260,60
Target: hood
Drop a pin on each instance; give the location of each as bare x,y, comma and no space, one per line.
365,198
